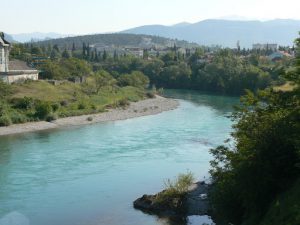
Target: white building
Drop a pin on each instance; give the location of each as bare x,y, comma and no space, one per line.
16,70
137,52
4,53
258,46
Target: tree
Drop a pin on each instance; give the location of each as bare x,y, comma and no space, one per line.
36,51
115,55
54,54
73,47
55,47
264,161
105,55
66,54
135,79
52,70
103,79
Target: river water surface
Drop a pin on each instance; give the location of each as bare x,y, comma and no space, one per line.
90,175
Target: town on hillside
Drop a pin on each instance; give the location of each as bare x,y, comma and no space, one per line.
18,66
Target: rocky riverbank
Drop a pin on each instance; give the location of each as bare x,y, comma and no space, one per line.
136,109
194,202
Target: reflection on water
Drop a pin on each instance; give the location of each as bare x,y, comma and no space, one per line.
90,175
223,104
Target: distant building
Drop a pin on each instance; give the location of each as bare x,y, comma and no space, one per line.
4,54
138,52
258,46
15,70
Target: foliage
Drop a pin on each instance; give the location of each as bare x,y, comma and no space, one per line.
135,79
5,89
285,209
176,188
102,79
64,69
44,101
265,160
5,120
43,110
117,39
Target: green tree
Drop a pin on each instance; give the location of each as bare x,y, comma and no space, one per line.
103,79
135,79
65,54
265,159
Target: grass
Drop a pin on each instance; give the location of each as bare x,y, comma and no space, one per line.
67,99
176,188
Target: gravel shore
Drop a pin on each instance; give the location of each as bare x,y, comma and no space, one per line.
135,109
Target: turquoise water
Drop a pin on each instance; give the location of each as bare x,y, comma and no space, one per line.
90,175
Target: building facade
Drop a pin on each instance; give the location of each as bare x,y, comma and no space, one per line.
4,53
258,46
16,70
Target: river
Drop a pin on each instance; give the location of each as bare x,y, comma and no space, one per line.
90,175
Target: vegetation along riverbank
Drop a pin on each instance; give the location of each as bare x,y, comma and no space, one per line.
256,179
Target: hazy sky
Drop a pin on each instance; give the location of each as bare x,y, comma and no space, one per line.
98,16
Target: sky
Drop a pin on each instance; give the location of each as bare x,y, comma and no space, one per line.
101,16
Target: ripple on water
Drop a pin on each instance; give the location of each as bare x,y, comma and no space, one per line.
90,175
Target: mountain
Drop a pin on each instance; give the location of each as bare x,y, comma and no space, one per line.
116,40
36,36
9,38
227,32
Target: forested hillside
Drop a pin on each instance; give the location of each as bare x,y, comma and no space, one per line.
116,40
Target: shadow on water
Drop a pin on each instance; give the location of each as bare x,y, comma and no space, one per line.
220,103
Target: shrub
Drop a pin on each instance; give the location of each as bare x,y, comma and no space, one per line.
55,106
135,79
94,107
43,109
89,118
51,117
18,117
176,188
123,102
23,103
64,103
150,95
5,120
82,105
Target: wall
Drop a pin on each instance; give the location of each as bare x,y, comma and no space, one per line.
3,59
14,76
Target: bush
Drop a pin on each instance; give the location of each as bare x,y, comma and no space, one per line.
135,79
82,105
43,109
64,103
23,103
55,107
123,102
5,120
18,117
176,188
51,117
89,118
150,95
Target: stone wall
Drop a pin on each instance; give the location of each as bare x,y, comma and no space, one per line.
19,76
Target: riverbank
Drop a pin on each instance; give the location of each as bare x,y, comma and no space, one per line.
135,109
193,203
